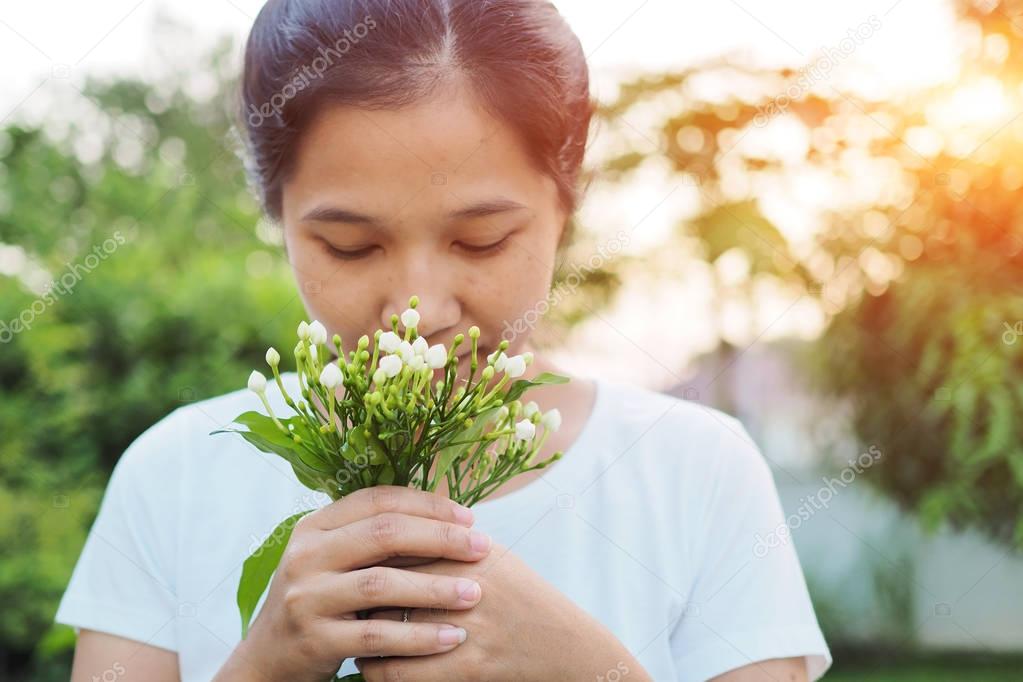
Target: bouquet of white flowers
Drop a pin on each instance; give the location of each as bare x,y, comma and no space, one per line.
393,425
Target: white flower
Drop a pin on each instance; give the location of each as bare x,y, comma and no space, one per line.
436,356
490,358
530,409
389,342
405,351
303,330
331,376
317,332
525,430
410,318
417,362
515,366
380,375
551,420
257,382
391,365
502,360
272,356
528,357
420,345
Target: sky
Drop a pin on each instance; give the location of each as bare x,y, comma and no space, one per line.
49,46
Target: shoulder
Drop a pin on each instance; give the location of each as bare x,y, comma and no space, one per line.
167,446
685,432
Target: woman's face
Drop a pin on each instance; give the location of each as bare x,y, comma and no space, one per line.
437,200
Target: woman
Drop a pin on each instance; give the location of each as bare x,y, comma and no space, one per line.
433,147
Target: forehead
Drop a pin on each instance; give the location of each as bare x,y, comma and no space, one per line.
384,158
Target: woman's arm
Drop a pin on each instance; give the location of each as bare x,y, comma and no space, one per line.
99,656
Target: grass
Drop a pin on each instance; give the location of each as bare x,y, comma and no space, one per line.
951,667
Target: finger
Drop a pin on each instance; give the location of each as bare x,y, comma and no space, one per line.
383,536
432,668
382,586
381,499
386,638
427,615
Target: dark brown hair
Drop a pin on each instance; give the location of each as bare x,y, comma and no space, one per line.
523,62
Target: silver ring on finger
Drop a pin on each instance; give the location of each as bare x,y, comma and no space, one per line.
404,615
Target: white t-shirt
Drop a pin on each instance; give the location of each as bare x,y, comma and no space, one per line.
648,523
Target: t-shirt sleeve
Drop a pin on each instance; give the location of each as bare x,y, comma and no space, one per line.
124,581
749,600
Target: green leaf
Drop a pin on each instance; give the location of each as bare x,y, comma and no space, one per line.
465,438
260,566
520,386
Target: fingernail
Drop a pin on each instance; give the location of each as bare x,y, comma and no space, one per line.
449,634
463,515
480,542
467,590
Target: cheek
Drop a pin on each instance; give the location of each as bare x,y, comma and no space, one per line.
509,286
330,290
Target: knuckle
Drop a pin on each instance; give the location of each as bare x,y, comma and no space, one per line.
384,528
371,637
384,498
451,535
392,672
440,508
373,582
441,591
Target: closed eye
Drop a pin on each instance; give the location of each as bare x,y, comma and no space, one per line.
347,255
487,249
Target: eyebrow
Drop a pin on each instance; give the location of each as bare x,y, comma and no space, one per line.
482,209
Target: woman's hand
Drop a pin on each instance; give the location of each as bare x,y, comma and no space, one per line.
308,624
522,629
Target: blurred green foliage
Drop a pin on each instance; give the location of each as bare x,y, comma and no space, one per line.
917,265
173,291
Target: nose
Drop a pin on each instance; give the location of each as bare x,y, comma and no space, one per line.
439,306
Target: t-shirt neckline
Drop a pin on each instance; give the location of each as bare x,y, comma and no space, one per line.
507,506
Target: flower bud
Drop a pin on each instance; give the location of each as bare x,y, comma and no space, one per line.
331,376
405,351
317,332
527,357
273,358
410,318
530,409
515,367
303,330
551,420
474,332
257,382
436,356
487,374
525,430
380,376
389,342
391,365
420,345
417,362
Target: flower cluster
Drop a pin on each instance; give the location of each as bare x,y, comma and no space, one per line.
392,424
376,416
